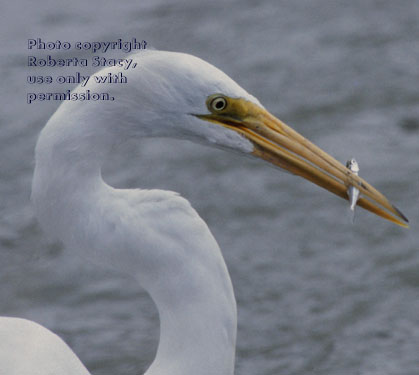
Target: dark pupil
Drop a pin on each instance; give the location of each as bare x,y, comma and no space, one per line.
219,104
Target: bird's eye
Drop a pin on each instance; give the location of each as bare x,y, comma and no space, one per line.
218,103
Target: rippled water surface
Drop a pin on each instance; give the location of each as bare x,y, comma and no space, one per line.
316,294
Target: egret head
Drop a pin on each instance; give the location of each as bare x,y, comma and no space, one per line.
218,111
179,95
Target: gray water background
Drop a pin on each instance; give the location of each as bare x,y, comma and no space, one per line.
316,294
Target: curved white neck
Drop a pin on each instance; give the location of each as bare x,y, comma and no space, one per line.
197,326
193,294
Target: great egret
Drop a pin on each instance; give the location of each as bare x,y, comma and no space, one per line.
156,235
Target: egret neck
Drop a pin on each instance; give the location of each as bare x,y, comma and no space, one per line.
132,230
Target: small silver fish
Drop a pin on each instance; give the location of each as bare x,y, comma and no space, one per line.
353,192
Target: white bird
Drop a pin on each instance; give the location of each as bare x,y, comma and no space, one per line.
152,234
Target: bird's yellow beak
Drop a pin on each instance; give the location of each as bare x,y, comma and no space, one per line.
280,145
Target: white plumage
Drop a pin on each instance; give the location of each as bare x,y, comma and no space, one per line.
151,234
27,348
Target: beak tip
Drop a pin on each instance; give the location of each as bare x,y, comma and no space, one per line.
401,214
